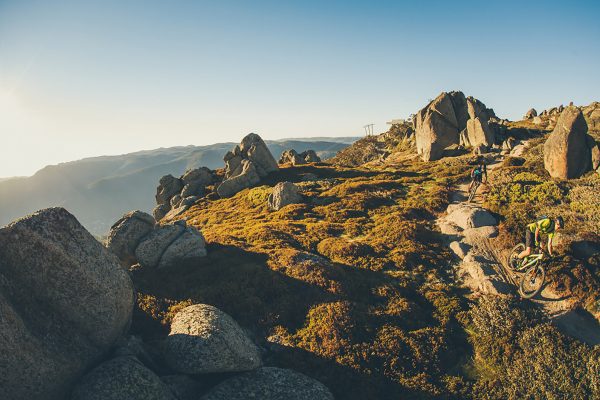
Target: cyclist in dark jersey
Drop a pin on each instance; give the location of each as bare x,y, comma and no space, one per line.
477,174
545,225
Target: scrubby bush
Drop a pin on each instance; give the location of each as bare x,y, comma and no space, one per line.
518,355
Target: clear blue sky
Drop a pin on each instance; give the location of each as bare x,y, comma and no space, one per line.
83,78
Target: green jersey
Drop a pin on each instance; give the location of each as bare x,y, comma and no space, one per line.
545,225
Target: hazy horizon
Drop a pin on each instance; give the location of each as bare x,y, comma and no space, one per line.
83,79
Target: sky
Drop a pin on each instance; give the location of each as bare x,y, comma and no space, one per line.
88,78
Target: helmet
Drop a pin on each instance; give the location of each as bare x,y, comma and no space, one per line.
561,222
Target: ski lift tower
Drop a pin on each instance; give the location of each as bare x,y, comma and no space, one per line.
369,129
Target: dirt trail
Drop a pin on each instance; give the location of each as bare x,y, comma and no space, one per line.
482,268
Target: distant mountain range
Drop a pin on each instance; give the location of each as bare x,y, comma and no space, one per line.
99,190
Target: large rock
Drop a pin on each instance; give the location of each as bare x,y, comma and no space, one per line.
479,133
161,210
122,378
190,245
127,233
566,151
64,301
596,157
248,177
291,157
441,122
468,216
310,156
254,149
591,114
202,176
270,383
169,245
437,128
203,339
284,193
249,161
168,187
532,113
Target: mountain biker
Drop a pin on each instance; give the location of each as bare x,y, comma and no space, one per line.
477,174
545,225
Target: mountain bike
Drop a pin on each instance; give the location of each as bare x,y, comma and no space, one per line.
532,269
473,190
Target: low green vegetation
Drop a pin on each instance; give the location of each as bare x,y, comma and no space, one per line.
355,286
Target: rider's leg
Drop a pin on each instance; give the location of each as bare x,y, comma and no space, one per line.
529,239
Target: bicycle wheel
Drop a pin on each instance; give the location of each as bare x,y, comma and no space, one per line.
532,281
513,260
472,192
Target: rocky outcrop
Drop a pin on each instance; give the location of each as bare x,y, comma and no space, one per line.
168,187
127,233
270,383
479,133
180,193
169,245
441,122
468,216
247,177
203,339
292,157
284,193
591,113
253,149
122,378
532,113
567,151
249,161
64,301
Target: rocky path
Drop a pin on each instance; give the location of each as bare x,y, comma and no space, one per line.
470,230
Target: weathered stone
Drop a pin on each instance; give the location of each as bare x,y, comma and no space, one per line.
595,157
64,301
566,151
126,234
437,128
160,211
478,132
151,249
188,246
201,176
175,200
284,193
247,178
591,114
310,156
257,151
168,187
439,124
270,383
530,114
469,216
291,157
203,339
194,188
122,378
459,248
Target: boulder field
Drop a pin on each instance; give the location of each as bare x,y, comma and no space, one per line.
64,302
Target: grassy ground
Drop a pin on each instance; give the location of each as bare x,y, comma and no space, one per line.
355,288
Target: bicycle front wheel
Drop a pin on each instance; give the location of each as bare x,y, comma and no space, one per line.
532,281
513,260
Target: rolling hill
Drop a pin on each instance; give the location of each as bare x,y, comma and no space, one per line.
99,190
